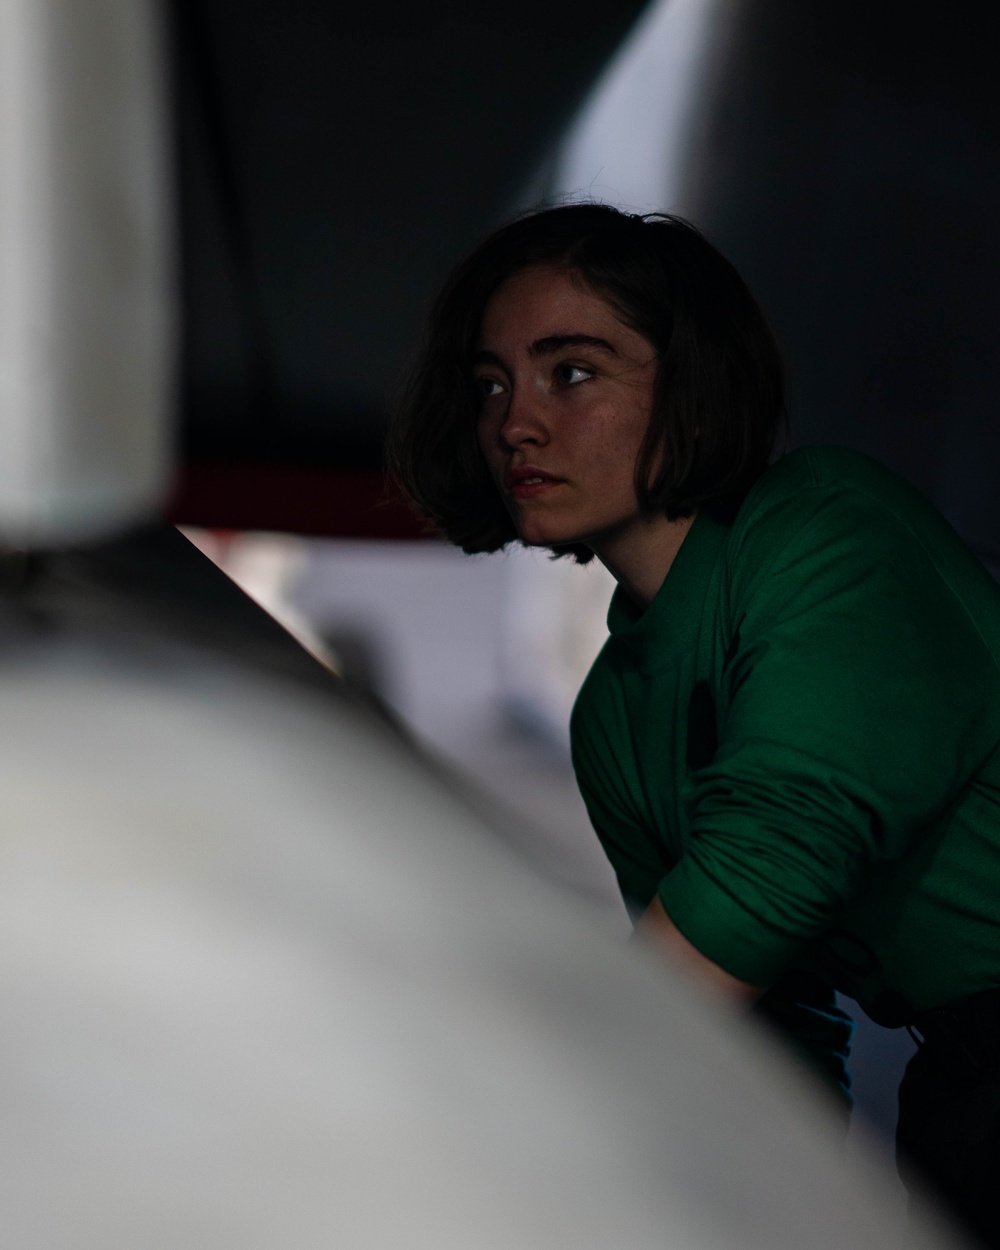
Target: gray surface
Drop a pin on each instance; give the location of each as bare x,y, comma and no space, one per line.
432,619
269,983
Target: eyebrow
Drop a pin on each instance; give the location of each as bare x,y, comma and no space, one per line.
549,346
556,342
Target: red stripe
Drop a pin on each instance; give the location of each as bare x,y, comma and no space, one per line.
332,503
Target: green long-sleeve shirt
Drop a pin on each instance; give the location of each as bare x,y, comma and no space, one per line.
796,744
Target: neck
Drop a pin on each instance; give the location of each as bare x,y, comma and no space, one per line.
640,560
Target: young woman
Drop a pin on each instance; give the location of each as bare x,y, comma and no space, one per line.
790,745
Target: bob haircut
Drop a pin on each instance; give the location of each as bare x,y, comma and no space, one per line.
718,400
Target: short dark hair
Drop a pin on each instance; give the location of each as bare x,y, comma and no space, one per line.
718,401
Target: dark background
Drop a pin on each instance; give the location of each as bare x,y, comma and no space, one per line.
849,164
335,160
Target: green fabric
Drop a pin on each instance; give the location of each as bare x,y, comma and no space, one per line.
795,745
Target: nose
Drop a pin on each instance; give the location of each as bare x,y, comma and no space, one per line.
525,421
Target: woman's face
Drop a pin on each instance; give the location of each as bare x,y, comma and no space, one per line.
565,392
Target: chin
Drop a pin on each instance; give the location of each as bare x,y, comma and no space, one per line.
548,536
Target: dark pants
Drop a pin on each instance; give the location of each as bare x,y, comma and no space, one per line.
948,1137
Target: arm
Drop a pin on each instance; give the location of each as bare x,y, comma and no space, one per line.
658,931
856,701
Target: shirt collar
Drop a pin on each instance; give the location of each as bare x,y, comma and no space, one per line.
674,617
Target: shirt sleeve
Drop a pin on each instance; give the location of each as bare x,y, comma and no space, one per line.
851,714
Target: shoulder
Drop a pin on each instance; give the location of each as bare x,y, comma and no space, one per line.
834,497
828,526
810,474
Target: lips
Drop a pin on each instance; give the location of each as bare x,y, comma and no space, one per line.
528,479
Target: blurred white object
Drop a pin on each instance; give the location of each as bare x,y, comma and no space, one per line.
630,142
85,290
554,624
266,984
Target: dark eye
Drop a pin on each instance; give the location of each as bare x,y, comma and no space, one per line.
570,375
486,388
